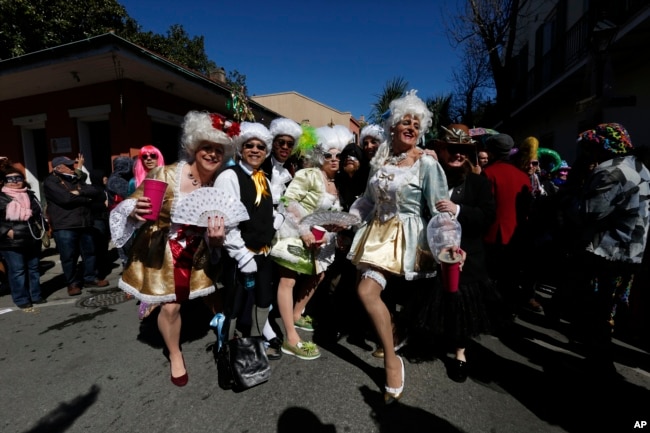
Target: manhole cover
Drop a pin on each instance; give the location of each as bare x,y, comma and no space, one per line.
104,299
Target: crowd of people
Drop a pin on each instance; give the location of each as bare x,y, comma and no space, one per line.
520,213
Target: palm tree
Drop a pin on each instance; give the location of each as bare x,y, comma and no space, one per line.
440,106
392,90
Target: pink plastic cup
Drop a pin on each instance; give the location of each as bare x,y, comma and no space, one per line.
155,190
318,232
451,276
450,269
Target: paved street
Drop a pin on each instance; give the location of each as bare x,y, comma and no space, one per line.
87,364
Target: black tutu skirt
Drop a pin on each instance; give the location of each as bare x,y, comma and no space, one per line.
453,317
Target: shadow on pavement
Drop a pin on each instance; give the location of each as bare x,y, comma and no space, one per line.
62,418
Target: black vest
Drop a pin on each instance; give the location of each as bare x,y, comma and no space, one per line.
258,231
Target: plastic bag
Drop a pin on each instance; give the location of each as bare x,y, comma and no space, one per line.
443,231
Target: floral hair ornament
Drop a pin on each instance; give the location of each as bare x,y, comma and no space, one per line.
222,124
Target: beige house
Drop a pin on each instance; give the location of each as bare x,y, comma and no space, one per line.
302,109
577,64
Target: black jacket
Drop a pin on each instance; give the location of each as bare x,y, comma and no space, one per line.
23,237
66,210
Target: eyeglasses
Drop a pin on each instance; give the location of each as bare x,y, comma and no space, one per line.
14,179
281,143
253,145
534,163
146,156
328,155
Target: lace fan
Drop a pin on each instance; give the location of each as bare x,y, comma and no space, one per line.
325,218
197,206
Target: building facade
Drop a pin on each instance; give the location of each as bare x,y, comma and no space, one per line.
577,64
302,109
102,97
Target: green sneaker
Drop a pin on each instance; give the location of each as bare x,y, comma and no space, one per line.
304,350
305,323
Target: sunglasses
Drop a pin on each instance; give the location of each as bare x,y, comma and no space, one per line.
281,143
146,156
253,145
463,150
534,163
14,179
328,155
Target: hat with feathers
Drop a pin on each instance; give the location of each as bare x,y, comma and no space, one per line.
284,126
250,130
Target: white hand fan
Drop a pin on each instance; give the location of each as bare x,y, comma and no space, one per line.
197,206
324,218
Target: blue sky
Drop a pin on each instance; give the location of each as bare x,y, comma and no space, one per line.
340,53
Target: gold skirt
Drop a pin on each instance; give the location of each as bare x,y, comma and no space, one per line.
381,246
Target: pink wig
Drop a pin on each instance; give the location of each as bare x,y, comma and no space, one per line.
139,170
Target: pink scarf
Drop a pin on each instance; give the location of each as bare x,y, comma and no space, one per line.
18,209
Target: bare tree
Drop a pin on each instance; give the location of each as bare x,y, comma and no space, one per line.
494,24
472,83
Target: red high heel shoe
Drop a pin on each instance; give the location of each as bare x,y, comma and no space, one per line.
180,380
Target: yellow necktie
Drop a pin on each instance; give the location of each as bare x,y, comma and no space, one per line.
260,186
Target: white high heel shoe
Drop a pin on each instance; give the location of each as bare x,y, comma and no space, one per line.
393,394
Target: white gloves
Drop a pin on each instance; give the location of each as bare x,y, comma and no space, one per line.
249,267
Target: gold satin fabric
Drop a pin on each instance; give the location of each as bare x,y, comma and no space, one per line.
259,178
382,246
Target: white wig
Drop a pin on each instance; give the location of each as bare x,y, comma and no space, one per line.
408,104
374,131
197,128
284,126
250,130
330,137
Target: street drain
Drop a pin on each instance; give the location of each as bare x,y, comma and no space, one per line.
104,299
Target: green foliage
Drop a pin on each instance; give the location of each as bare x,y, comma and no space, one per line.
237,79
393,89
32,25
440,106
177,46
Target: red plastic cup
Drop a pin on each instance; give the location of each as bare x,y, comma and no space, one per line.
318,232
450,268
155,190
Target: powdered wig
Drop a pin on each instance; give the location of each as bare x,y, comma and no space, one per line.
374,131
199,127
399,108
330,137
250,130
408,104
284,126
139,170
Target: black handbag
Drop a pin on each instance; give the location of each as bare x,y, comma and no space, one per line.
242,363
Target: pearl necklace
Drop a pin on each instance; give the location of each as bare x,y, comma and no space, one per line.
395,160
197,182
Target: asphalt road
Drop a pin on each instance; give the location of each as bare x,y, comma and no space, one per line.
87,364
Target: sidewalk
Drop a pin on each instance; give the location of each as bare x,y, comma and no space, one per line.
53,285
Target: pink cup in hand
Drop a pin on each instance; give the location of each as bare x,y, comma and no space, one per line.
450,268
318,232
155,190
